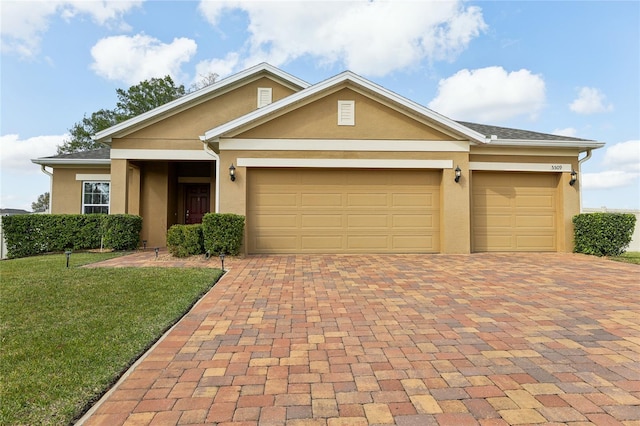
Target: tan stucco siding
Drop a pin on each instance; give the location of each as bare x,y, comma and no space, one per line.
195,121
67,191
319,120
160,143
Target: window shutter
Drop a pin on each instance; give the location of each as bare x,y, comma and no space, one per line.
264,96
346,113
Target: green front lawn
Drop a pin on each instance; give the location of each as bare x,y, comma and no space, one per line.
628,257
67,334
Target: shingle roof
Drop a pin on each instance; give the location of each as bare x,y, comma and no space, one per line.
516,134
95,154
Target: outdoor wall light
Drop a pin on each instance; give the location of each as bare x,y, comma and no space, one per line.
222,260
232,172
458,174
574,177
68,254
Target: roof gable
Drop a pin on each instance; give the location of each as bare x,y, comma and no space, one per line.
197,97
331,85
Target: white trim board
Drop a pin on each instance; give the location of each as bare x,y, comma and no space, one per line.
96,176
159,154
345,163
343,145
520,167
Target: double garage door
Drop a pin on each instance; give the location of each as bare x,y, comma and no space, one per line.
343,211
514,211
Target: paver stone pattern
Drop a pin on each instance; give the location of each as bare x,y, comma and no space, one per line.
488,339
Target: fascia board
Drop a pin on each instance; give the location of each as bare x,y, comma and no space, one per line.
70,161
106,135
346,76
546,143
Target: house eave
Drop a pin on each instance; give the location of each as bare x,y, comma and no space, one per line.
582,145
71,162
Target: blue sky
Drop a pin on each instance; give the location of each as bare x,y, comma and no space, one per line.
569,68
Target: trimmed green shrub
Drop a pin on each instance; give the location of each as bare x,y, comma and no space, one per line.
223,233
603,234
121,231
31,234
185,240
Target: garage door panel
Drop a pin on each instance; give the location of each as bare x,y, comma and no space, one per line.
514,211
412,199
495,200
493,242
277,200
343,211
331,221
325,242
497,220
535,221
371,221
414,242
321,200
418,222
369,200
275,243
367,242
535,201
276,221
535,242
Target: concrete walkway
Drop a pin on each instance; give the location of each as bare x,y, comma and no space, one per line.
490,339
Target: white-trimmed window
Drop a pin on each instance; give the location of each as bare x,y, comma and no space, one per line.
95,197
346,113
265,96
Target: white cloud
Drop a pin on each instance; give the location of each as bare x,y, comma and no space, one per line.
490,95
23,23
221,67
622,167
623,156
590,101
137,58
17,153
569,131
372,38
607,180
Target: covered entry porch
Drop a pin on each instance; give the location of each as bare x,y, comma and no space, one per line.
164,193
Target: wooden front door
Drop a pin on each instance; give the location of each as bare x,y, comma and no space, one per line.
196,203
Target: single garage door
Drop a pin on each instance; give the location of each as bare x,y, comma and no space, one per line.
514,211
343,211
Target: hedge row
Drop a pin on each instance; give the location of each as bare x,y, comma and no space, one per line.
219,233
28,235
603,234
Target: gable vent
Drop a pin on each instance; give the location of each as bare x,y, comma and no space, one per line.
346,113
265,96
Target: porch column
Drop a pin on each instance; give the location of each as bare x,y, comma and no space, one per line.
119,194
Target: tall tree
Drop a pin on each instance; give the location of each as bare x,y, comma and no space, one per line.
132,102
147,95
41,204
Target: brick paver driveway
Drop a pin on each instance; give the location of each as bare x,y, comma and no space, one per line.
404,339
